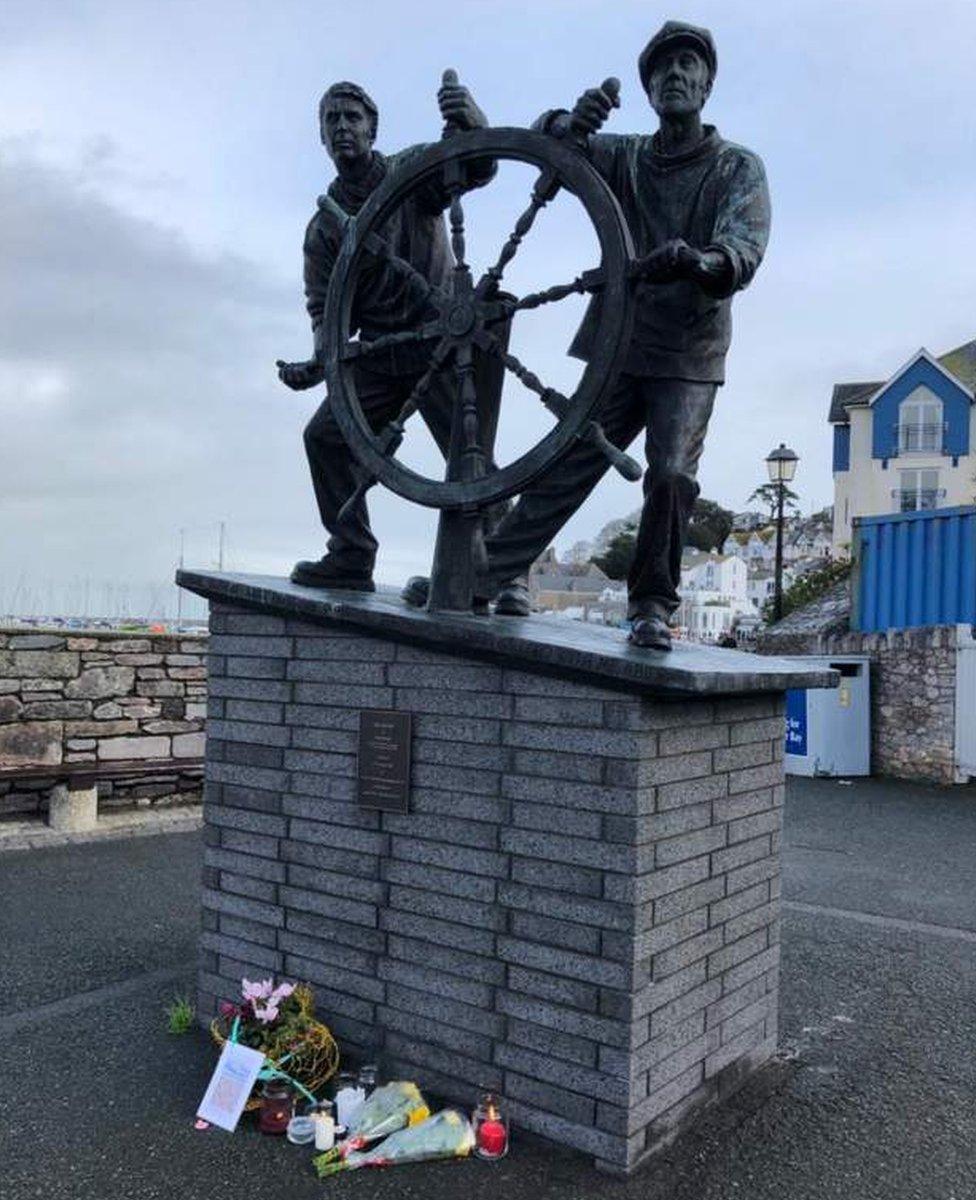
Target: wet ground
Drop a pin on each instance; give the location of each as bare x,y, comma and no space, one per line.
874,1094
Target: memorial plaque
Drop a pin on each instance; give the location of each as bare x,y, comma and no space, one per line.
384,760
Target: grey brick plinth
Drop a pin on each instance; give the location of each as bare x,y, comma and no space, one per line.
580,910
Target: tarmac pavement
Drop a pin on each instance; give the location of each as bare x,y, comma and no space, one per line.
874,1095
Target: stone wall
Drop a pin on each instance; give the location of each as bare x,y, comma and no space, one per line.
913,694
579,911
97,696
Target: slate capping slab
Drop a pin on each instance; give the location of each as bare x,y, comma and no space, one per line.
565,648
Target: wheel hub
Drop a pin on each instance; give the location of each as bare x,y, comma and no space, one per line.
461,318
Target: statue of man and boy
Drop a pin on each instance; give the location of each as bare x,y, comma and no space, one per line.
698,211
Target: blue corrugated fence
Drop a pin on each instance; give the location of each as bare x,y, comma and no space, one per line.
914,568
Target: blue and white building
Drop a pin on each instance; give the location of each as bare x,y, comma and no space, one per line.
905,444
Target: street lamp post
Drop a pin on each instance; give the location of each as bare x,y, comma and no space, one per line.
781,465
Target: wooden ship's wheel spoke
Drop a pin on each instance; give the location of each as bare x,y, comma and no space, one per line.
588,282
386,341
546,187
560,405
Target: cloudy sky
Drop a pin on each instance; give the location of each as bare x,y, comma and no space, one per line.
158,164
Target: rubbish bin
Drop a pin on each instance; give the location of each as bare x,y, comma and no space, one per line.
828,731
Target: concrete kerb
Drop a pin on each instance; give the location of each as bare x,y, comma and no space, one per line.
35,835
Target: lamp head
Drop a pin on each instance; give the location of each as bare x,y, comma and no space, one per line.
781,464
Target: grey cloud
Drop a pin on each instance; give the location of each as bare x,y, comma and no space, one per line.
137,384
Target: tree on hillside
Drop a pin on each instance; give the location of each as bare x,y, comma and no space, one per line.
809,587
768,495
578,554
615,563
709,526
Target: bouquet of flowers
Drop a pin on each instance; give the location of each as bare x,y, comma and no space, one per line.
394,1106
446,1135
279,1020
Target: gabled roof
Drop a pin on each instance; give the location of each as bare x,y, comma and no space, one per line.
848,393
691,556
960,363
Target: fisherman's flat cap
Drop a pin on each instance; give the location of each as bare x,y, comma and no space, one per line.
670,33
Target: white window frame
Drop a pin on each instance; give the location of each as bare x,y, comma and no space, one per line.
920,423
919,490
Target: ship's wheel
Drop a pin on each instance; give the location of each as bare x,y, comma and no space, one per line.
470,320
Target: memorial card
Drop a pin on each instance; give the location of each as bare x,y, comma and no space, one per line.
230,1085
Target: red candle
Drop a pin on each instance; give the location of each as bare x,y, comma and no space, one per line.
492,1138
276,1108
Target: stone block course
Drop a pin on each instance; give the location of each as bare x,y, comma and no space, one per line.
558,989
434,879
552,847
239,667
549,818
559,710
569,907
565,934
244,843
245,885
447,958
465,938
581,881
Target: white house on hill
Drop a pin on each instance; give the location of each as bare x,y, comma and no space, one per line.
714,591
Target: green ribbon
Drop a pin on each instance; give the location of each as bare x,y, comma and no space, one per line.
272,1070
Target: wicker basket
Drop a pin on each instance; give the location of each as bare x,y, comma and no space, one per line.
313,1050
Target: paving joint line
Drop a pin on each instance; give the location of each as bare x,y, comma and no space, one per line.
70,1005
951,932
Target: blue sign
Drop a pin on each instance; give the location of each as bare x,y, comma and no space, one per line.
796,722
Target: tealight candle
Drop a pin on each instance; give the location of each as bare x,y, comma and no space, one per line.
490,1129
325,1128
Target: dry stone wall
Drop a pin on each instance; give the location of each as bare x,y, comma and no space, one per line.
100,697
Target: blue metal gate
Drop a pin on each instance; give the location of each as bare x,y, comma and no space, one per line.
914,568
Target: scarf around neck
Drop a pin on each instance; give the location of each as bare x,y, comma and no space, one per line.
351,195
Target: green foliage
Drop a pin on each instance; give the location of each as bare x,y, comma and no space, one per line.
809,587
710,525
179,1015
768,496
708,529
620,554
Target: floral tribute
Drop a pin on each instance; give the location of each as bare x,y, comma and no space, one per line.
264,1007
279,1020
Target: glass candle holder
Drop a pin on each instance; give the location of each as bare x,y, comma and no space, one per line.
368,1074
348,1098
490,1125
277,1106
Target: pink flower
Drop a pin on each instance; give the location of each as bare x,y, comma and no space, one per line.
257,991
227,1009
281,992
268,1014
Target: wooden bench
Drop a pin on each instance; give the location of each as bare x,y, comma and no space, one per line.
73,804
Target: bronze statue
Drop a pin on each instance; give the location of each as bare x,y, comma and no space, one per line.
387,302
654,338
698,210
